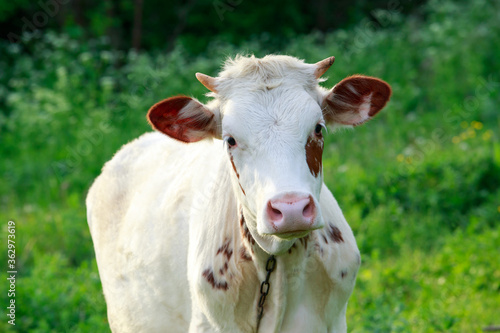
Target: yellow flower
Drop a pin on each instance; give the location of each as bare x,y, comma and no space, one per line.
464,124
400,158
456,139
408,160
477,125
471,133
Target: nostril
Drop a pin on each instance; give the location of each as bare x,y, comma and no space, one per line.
308,211
277,212
274,214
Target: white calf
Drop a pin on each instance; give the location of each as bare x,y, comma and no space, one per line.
184,224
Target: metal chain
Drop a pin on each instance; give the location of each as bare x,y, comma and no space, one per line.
264,288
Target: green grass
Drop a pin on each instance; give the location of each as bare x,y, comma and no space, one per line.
454,288
420,184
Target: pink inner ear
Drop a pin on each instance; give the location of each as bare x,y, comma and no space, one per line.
182,118
356,99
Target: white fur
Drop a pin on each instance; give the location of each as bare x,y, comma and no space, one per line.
162,210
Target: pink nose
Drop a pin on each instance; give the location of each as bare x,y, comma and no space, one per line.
291,213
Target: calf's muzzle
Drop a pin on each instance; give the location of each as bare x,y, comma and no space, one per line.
291,214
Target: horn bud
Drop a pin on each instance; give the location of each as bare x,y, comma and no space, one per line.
322,66
208,81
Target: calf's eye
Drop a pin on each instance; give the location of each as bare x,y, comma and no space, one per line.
318,130
231,141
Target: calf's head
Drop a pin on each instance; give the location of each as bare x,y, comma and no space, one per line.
271,116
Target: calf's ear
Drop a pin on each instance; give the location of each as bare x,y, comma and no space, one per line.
183,118
355,99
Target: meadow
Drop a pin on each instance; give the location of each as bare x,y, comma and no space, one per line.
419,184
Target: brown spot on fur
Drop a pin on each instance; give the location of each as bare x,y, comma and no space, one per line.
304,240
225,250
236,172
245,232
343,274
314,155
234,167
224,268
335,234
208,274
324,239
244,255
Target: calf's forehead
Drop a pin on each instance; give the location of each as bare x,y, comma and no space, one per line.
279,112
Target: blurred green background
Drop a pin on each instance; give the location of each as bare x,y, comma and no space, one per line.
420,184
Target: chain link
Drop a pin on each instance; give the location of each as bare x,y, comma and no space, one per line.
264,288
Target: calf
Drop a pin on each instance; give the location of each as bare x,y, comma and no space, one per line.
220,221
